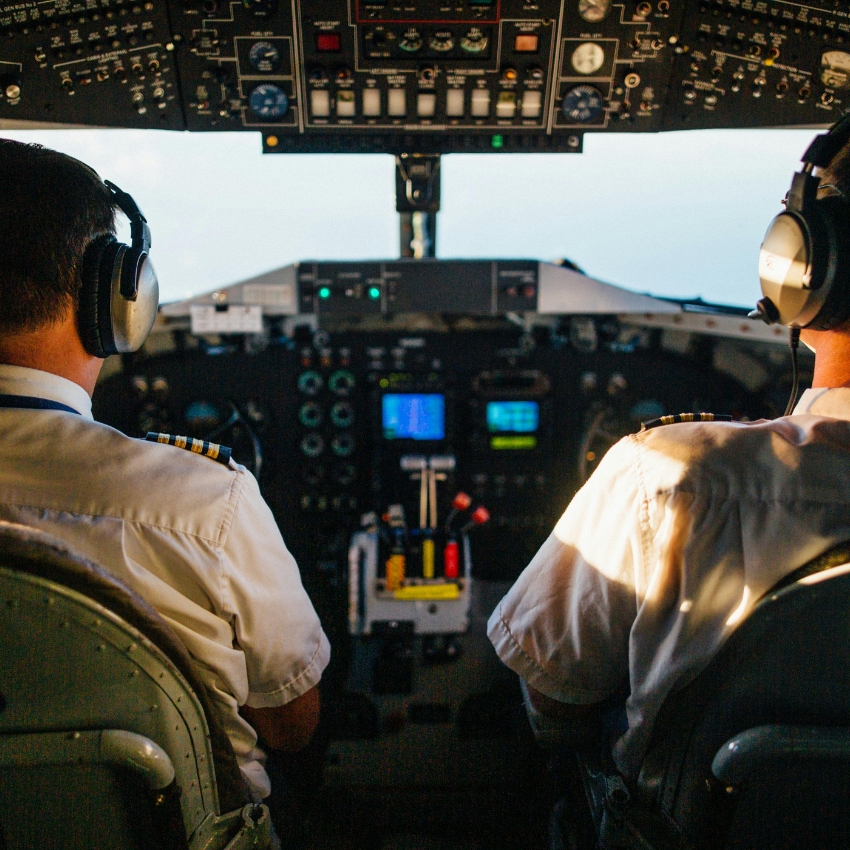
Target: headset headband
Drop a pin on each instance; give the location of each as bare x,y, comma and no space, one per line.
139,231
826,146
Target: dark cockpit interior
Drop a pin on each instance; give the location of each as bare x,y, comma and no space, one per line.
418,425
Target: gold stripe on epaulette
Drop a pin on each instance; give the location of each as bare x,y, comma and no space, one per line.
213,451
673,419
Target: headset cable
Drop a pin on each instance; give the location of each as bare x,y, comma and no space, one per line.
794,343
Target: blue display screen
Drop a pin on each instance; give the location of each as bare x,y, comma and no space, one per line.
414,416
518,417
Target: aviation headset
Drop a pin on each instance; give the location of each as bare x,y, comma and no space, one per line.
804,264
120,293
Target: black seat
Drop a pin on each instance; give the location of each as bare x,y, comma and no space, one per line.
754,752
107,736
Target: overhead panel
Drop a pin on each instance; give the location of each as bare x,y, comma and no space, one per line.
417,76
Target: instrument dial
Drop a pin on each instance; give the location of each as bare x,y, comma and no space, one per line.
588,58
442,42
268,102
835,69
411,41
582,104
594,10
264,57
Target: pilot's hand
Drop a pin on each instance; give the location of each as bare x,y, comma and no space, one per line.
286,727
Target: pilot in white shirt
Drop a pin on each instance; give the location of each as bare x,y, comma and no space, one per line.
190,535
666,549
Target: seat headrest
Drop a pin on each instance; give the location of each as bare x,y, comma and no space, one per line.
35,553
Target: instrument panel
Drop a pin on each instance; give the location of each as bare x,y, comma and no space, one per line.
468,75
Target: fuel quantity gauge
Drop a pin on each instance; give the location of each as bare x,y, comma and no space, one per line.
264,57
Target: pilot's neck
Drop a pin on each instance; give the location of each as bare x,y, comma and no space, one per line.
54,348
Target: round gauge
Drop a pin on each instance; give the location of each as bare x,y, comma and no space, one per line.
310,383
313,444
835,69
268,102
411,41
264,57
260,8
594,10
588,58
442,42
582,104
474,42
341,382
342,414
343,445
310,414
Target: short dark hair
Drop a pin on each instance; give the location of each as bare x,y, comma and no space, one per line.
51,207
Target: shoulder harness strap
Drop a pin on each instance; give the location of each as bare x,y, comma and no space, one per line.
201,447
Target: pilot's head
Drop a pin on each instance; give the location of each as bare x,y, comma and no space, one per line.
51,208
62,271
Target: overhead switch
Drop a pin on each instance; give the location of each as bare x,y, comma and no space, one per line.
532,104
371,102
320,103
506,105
345,104
397,103
455,103
480,107
426,104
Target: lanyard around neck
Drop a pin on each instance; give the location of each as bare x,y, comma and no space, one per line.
27,402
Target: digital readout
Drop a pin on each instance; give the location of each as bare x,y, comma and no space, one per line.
513,443
517,417
414,416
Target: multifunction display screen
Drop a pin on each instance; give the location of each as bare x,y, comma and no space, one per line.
520,417
414,416
513,424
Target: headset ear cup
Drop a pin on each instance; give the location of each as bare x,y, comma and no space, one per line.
835,213
88,310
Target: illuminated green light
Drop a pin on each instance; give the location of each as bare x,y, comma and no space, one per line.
324,292
498,142
384,383
513,442
374,292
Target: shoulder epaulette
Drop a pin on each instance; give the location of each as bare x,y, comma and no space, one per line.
200,447
685,417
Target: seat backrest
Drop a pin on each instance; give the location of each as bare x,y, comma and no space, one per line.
788,663
82,653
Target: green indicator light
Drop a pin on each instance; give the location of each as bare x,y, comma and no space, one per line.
498,142
324,292
500,443
374,292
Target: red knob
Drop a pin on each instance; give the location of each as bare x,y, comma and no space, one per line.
461,502
480,515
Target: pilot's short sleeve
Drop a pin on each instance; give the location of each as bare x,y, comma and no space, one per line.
273,620
564,625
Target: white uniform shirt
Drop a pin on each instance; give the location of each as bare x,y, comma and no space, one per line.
665,550
190,535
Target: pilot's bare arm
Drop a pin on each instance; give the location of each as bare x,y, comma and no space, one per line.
556,723
559,710
286,727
